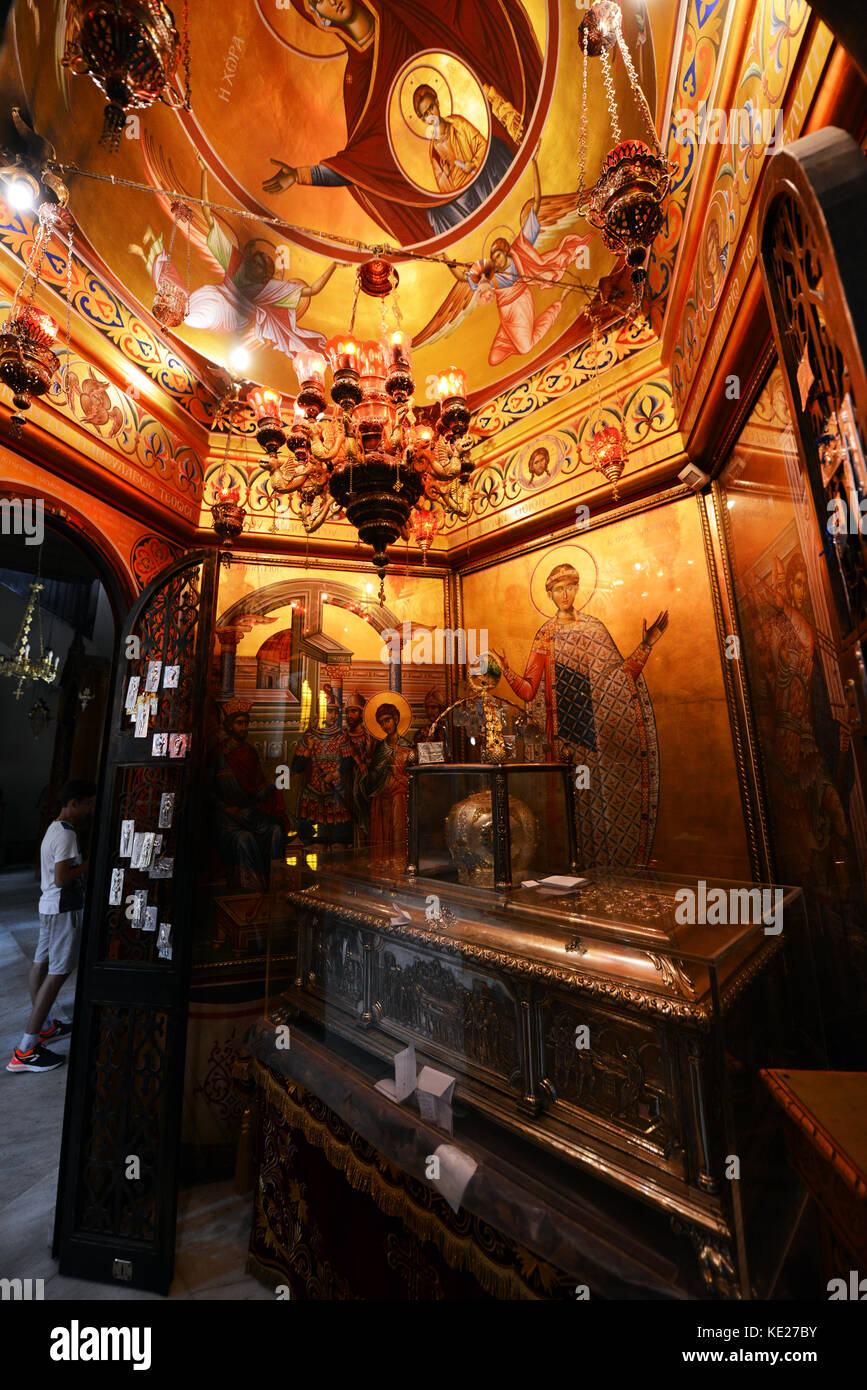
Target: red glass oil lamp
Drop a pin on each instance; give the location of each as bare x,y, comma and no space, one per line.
609,453
27,358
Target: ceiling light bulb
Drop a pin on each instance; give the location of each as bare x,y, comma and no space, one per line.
19,194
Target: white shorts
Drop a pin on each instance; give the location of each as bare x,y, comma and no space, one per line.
59,941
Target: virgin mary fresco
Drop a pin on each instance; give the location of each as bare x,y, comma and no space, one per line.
596,710
495,40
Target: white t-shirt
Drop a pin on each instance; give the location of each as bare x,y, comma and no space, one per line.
60,842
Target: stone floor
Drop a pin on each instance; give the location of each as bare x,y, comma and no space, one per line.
213,1222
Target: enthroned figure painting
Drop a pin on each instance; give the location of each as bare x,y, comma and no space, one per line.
436,100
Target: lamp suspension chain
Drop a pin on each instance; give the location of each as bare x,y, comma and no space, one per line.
608,79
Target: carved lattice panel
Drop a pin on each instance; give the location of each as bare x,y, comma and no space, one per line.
125,1120
813,205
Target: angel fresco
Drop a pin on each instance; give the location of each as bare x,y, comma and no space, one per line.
496,42
504,277
251,302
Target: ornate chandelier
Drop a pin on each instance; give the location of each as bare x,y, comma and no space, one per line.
18,666
626,203
28,361
392,468
131,49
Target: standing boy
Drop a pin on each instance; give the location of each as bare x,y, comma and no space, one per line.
60,917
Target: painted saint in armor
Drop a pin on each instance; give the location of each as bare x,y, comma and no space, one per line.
595,708
324,757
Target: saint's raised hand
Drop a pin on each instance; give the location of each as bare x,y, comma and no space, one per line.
652,634
284,178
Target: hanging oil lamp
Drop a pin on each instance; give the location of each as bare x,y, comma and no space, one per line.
626,203
131,49
424,524
172,301
28,361
228,514
607,446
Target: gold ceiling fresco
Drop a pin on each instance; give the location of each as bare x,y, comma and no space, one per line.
331,127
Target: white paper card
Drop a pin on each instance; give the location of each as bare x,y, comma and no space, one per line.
127,830
150,919
555,885
170,677
404,1073
456,1169
142,849
152,682
160,746
115,893
132,693
141,721
167,806
434,1091
139,906
403,1084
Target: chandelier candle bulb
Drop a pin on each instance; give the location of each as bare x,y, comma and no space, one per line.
343,356
270,434
454,411
310,370
371,363
399,382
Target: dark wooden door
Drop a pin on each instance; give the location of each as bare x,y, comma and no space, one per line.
117,1189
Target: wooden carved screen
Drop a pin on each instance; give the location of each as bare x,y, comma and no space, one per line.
117,1189
813,215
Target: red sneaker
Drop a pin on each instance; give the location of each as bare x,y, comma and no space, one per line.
37,1059
58,1030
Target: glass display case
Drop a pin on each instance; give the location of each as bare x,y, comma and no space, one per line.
490,825
599,1023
